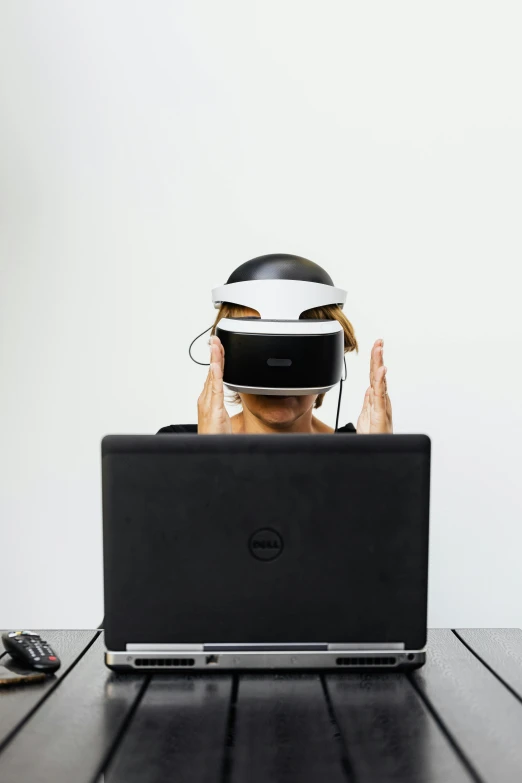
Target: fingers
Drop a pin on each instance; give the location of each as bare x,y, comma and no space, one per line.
380,403
212,414
366,402
207,388
217,366
218,342
363,422
389,411
389,414
379,386
376,359
206,392
220,354
203,399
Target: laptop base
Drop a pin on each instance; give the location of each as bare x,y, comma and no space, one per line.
390,660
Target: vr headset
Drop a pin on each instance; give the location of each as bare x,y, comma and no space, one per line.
280,353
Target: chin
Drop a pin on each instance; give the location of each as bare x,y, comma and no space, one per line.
278,417
278,410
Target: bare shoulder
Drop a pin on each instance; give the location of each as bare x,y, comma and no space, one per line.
320,427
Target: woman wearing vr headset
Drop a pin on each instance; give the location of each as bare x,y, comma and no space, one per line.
278,343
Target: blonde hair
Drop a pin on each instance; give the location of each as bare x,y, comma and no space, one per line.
328,312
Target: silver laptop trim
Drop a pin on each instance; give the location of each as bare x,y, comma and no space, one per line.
264,646
157,647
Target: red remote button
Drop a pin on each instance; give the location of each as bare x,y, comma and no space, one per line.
52,657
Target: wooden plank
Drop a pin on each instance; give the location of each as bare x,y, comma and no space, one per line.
500,649
177,733
390,735
72,733
283,732
17,702
479,712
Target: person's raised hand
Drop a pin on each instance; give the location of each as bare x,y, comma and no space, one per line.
376,414
212,414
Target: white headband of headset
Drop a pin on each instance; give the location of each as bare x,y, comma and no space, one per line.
278,299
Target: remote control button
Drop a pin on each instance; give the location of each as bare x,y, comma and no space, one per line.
52,658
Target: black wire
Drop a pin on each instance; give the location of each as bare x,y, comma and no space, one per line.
340,395
339,405
204,364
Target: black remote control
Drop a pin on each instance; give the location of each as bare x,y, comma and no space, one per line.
27,648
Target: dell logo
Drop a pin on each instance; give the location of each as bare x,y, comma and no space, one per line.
265,544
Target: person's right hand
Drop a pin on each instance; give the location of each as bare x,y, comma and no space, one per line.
212,414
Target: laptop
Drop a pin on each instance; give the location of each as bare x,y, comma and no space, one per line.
289,551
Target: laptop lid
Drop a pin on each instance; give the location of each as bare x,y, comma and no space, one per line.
273,539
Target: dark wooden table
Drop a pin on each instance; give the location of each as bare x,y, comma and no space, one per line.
459,718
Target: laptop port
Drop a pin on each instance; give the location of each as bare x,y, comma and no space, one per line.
212,660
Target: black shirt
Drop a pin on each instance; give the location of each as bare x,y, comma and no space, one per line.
194,428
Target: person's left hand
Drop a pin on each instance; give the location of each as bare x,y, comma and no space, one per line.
376,414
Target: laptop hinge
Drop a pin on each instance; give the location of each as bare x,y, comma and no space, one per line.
367,646
264,646
164,647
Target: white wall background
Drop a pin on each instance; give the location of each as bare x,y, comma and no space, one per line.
148,148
